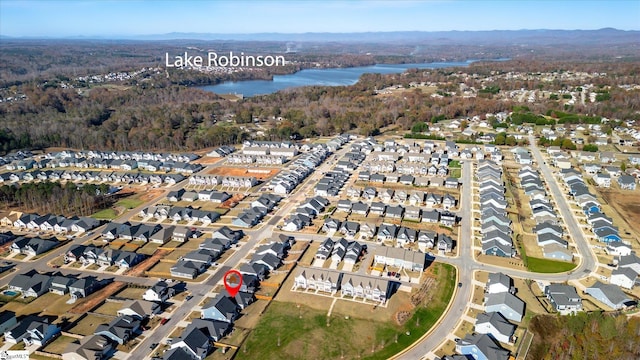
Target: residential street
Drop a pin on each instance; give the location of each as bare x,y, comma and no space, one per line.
465,262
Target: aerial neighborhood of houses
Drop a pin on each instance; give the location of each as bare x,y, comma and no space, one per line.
356,222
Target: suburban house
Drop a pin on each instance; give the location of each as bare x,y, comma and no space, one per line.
220,308
610,295
192,344
32,330
499,283
324,250
213,329
7,320
95,347
627,182
139,309
618,248
481,347
121,329
496,326
624,277
563,298
159,292
507,304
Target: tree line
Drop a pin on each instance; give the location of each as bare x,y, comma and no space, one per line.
55,198
594,335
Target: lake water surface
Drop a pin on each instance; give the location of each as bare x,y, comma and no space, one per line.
322,77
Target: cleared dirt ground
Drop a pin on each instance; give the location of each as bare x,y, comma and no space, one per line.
261,174
627,204
97,297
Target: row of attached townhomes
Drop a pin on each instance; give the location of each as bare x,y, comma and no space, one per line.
363,287
49,222
549,232
34,284
259,208
414,152
418,198
215,180
198,261
103,256
126,325
219,313
414,213
305,213
333,181
495,326
402,235
297,171
222,151
213,196
178,213
121,160
601,225
496,226
119,177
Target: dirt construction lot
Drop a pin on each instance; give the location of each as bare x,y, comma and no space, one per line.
96,298
258,173
627,204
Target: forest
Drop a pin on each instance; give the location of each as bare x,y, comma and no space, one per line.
158,112
585,336
55,198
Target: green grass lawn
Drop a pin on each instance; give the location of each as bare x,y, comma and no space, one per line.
548,266
106,214
130,203
288,332
59,345
455,173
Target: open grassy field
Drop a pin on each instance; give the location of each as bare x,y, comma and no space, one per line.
106,214
131,293
48,304
130,202
290,331
548,266
59,345
109,308
87,326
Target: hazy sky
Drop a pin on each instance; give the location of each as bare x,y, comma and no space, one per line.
115,18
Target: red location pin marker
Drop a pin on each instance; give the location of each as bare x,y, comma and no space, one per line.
232,282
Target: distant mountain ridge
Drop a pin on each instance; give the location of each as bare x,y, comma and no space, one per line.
492,37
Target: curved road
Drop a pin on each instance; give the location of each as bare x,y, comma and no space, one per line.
466,263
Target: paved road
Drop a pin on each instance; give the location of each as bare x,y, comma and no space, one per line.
254,236
588,257
466,263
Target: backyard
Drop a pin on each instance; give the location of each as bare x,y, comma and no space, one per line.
295,331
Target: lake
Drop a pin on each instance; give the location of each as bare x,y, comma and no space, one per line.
322,77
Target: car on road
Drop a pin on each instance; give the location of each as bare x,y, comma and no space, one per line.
153,346
164,321
189,297
459,284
